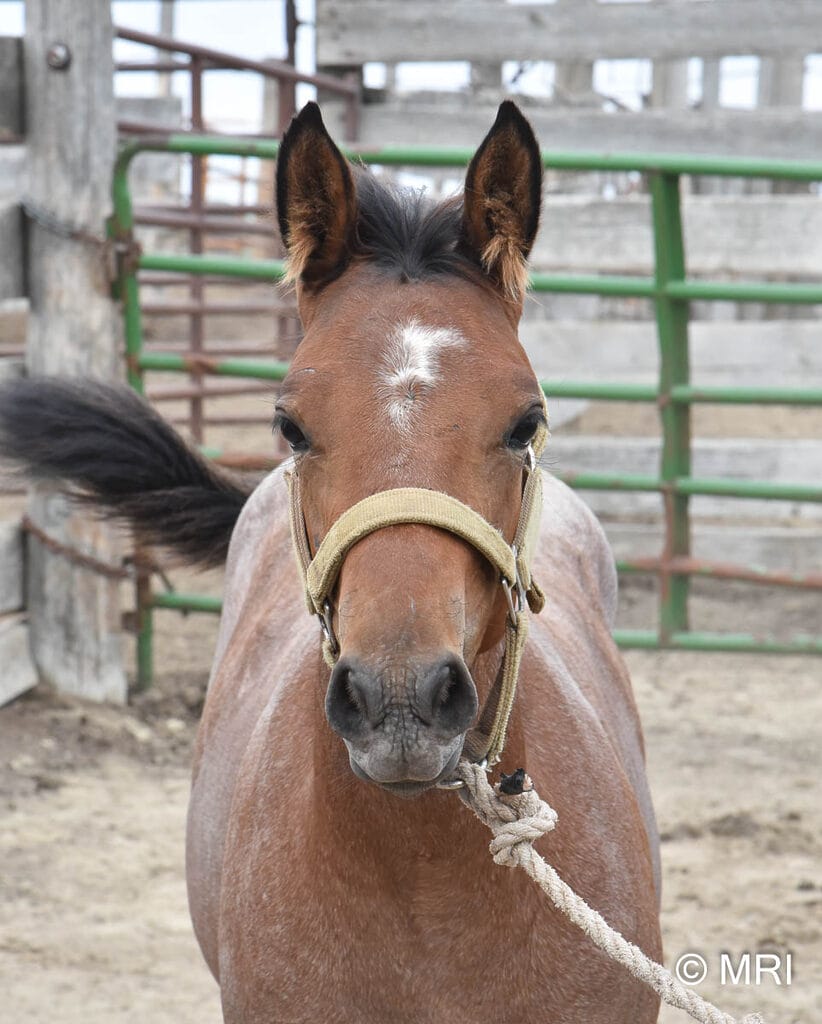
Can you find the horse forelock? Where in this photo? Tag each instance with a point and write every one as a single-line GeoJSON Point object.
{"type": "Point", "coordinates": [404, 230]}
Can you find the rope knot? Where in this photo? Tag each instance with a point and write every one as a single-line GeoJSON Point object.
{"type": "Point", "coordinates": [509, 836]}
{"type": "Point", "coordinates": [515, 819]}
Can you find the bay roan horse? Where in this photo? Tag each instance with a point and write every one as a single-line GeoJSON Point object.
{"type": "Point", "coordinates": [318, 894]}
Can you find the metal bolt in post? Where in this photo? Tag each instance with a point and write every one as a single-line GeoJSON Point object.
{"type": "Point", "coordinates": [58, 57]}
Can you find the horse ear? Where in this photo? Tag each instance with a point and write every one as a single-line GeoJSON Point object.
{"type": "Point", "coordinates": [316, 200]}
{"type": "Point", "coordinates": [503, 192]}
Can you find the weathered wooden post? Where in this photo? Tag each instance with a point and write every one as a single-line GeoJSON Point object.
{"type": "Point", "coordinates": [74, 612]}
{"type": "Point", "coordinates": [574, 79]}
{"type": "Point", "coordinates": [166, 28]}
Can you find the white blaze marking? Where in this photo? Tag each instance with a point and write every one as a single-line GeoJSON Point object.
{"type": "Point", "coordinates": [410, 366]}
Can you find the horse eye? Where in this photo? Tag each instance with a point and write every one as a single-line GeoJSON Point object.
{"type": "Point", "coordinates": [524, 432]}
{"type": "Point", "coordinates": [294, 437]}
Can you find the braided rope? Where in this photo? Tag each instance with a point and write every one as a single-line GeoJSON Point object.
{"type": "Point", "coordinates": [516, 821]}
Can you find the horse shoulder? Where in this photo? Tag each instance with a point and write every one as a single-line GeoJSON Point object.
{"type": "Point", "coordinates": [262, 522]}
{"type": "Point", "coordinates": [571, 534]}
{"type": "Point", "coordinates": [263, 619]}
{"type": "Point", "coordinates": [574, 644]}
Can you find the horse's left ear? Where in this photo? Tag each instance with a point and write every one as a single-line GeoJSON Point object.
{"type": "Point", "coordinates": [316, 200]}
{"type": "Point", "coordinates": [503, 192]}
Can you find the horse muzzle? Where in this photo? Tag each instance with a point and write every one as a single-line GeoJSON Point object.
{"type": "Point", "coordinates": [403, 727]}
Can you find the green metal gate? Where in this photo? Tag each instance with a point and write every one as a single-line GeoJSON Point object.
{"type": "Point", "coordinates": [670, 290]}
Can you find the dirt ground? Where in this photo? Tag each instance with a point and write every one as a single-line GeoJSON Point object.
{"type": "Point", "coordinates": [93, 920]}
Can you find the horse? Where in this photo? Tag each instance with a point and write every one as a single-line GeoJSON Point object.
{"type": "Point", "coordinates": [332, 874]}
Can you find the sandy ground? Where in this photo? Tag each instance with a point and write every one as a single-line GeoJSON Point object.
{"type": "Point", "coordinates": [93, 920]}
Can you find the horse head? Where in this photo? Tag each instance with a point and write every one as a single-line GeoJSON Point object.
{"type": "Point", "coordinates": [409, 374]}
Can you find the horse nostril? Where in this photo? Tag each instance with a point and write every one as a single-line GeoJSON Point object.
{"type": "Point", "coordinates": [444, 698]}
{"type": "Point", "coordinates": [448, 697]}
{"type": "Point", "coordinates": [345, 704]}
{"type": "Point", "coordinates": [445, 683]}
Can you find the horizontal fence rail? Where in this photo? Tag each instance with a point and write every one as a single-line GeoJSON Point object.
{"type": "Point", "coordinates": [358, 31]}
{"type": "Point", "coordinates": [669, 289]}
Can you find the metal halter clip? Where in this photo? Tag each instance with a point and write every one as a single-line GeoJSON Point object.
{"type": "Point", "coordinates": [450, 784]}
{"type": "Point", "coordinates": [327, 628]}
{"type": "Point", "coordinates": [515, 593]}
{"type": "Point", "coordinates": [453, 784]}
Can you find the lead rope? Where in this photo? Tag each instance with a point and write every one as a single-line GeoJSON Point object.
{"type": "Point", "coordinates": [517, 819]}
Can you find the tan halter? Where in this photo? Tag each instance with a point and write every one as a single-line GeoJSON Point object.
{"type": "Point", "coordinates": [434, 508]}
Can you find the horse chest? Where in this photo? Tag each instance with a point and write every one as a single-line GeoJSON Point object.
{"type": "Point", "coordinates": [341, 920]}
{"type": "Point", "coordinates": [424, 947]}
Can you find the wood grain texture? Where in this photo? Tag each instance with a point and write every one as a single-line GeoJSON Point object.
{"type": "Point", "coordinates": [774, 461]}
{"type": "Point", "coordinates": [11, 92]}
{"type": "Point", "coordinates": [734, 236]}
{"type": "Point", "coordinates": [454, 119]}
{"type": "Point", "coordinates": [18, 674]}
{"type": "Point", "coordinates": [14, 315]}
{"type": "Point", "coordinates": [11, 251]}
{"type": "Point", "coordinates": [796, 549]}
{"type": "Point", "coordinates": [776, 353]}
{"type": "Point", "coordinates": [357, 31]}
{"type": "Point", "coordinates": [11, 567]}
{"type": "Point", "coordinates": [12, 171]}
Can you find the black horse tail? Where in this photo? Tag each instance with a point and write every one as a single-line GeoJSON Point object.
{"type": "Point", "coordinates": [116, 454]}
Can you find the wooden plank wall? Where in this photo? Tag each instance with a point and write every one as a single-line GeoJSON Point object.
{"type": "Point", "coordinates": [441, 119]}
{"type": "Point", "coordinates": [356, 31]}
{"type": "Point", "coordinates": [753, 236]}
{"type": "Point", "coordinates": [573, 35]}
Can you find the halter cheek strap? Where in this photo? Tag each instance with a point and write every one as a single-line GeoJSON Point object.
{"type": "Point", "coordinates": [434, 508]}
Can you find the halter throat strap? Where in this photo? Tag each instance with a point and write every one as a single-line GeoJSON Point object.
{"type": "Point", "coordinates": [433, 508]}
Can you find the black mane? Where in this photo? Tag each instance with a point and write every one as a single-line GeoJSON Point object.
{"type": "Point", "coordinates": [402, 230]}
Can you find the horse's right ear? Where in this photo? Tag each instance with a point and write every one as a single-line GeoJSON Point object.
{"type": "Point", "coordinates": [316, 200]}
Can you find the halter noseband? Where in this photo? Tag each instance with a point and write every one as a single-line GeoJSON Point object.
{"type": "Point", "coordinates": [435, 508]}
